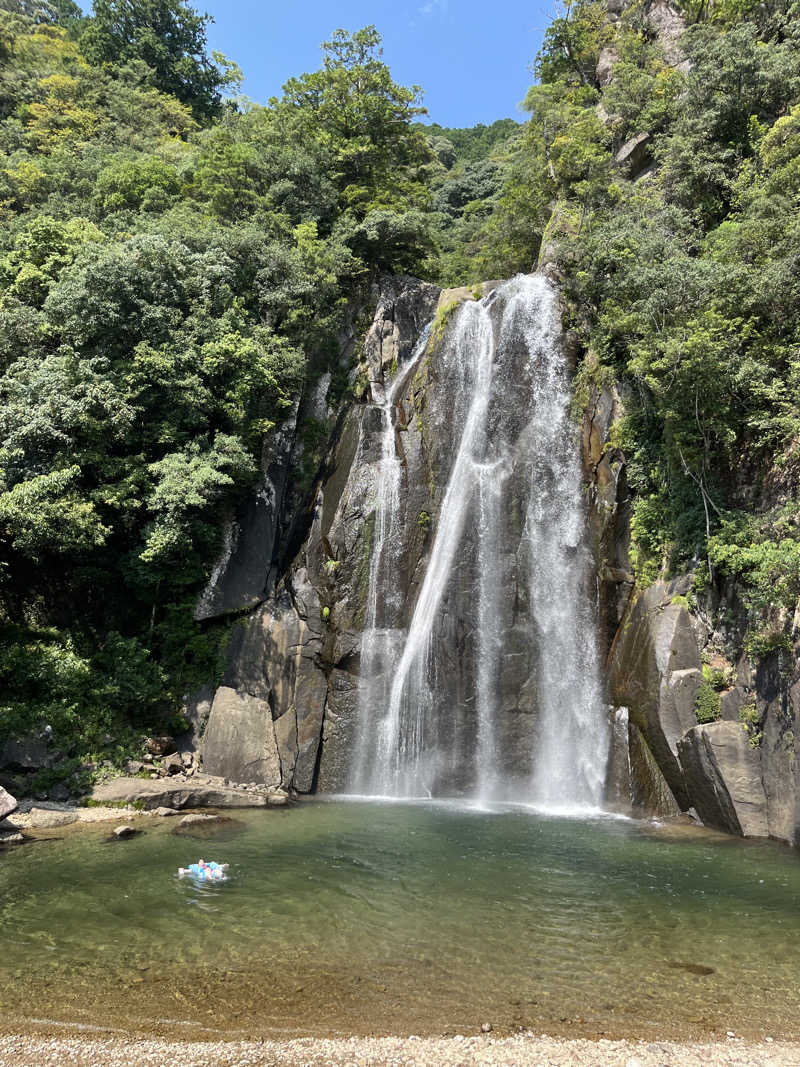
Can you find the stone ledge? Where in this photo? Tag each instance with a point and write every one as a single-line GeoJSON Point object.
{"type": "Point", "coordinates": [149, 794]}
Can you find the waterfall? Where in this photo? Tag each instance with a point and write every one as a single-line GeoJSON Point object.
{"type": "Point", "coordinates": [508, 568]}
{"type": "Point", "coordinates": [383, 595]}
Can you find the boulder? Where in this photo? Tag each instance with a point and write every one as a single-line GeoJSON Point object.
{"type": "Point", "coordinates": [173, 764]}
{"type": "Point", "coordinates": [160, 746]}
{"type": "Point", "coordinates": [239, 741]}
{"type": "Point", "coordinates": [8, 804]}
{"type": "Point", "coordinates": [48, 819]}
{"type": "Point", "coordinates": [10, 836]}
{"type": "Point", "coordinates": [604, 71]}
{"type": "Point", "coordinates": [635, 154]}
{"type": "Point", "coordinates": [165, 813]}
{"type": "Point", "coordinates": [174, 793]}
{"type": "Point", "coordinates": [723, 776]}
{"type": "Point", "coordinates": [654, 671]}
{"type": "Point", "coordinates": [194, 818]}
{"type": "Point", "coordinates": [122, 832]}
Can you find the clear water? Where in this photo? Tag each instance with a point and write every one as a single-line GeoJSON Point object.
{"type": "Point", "coordinates": [346, 917]}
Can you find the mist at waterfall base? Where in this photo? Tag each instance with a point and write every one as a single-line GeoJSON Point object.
{"type": "Point", "coordinates": [407, 918]}
{"type": "Point", "coordinates": [509, 547]}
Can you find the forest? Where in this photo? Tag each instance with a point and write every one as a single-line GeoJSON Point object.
{"type": "Point", "coordinates": [177, 264]}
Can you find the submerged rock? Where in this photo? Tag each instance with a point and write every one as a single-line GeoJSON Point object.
{"type": "Point", "coordinates": [195, 818]}
{"type": "Point", "coordinates": [122, 832]}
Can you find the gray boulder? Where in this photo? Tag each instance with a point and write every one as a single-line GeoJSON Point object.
{"type": "Point", "coordinates": [239, 741]}
{"type": "Point", "coordinates": [655, 673]}
{"type": "Point", "coordinates": [160, 746]}
{"type": "Point", "coordinates": [174, 793]}
{"type": "Point", "coordinates": [173, 764]}
{"type": "Point", "coordinates": [195, 818]}
{"type": "Point", "coordinates": [635, 154]}
{"type": "Point", "coordinates": [48, 819]}
{"type": "Point", "coordinates": [723, 777]}
{"type": "Point", "coordinates": [8, 804]}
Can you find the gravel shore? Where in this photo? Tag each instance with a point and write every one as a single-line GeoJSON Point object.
{"type": "Point", "coordinates": [36, 1051]}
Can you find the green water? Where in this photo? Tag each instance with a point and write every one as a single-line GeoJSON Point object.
{"type": "Point", "coordinates": [361, 917]}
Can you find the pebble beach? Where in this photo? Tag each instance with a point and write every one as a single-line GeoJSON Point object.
{"type": "Point", "coordinates": [459, 1051]}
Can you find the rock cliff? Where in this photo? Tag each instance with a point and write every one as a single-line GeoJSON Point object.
{"type": "Point", "coordinates": [285, 713]}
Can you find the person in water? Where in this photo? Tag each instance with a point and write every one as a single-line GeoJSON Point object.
{"type": "Point", "coordinates": [204, 872]}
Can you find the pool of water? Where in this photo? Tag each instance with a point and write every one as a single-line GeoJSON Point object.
{"type": "Point", "coordinates": [346, 917]}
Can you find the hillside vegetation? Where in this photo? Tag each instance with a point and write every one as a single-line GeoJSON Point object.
{"type": "Point", "coordinates": [174, 268]}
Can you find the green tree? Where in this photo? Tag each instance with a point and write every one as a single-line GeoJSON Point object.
{"type": "Point", "coordinates": [169, 36]}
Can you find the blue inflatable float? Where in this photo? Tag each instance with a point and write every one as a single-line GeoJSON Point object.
{"type": "Point", "coordinates": [205, 872]}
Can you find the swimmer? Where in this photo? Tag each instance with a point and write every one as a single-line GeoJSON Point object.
{"type": "Point", "coordinates": [205, 872]}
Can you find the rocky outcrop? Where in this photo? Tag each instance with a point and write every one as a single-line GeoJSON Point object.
{"type": "Point", "coordinates": [8, 804]}
{"type": "Point", "coordinates": [241, 574]}
{"type": "Point", "coordinates": [655, 672]}
{"type": "Point", "coordinates": [740, 773]}
{"type": "Point", "coordinates": [668, 24]}
{"type": "Point", "coordinates": [609, 506]}
{"type": "Point", "coordinates": [172, 793]}
{"type": "Point", "coordinates": [723, 778]}
{"type": "Point", "coordinates": [635, 155]}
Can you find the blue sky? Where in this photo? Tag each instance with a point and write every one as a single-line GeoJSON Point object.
{"type": "Point", "coordinates": [471, 57]}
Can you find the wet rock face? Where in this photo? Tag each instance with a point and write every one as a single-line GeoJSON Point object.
{"type": "Point", "coordinates": [292, 670]}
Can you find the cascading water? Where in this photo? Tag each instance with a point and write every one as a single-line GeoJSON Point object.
{"type": "Point", "coordinates": [505, 589]}
{"type": "Point", "coordinates": [383, 598]}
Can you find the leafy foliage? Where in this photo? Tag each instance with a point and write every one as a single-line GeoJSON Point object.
{"type": "Point", "coordinates": [174, 272]}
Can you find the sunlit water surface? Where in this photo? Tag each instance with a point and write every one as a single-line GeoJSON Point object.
{"type": "Point", "coordinates": [346, 917]}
